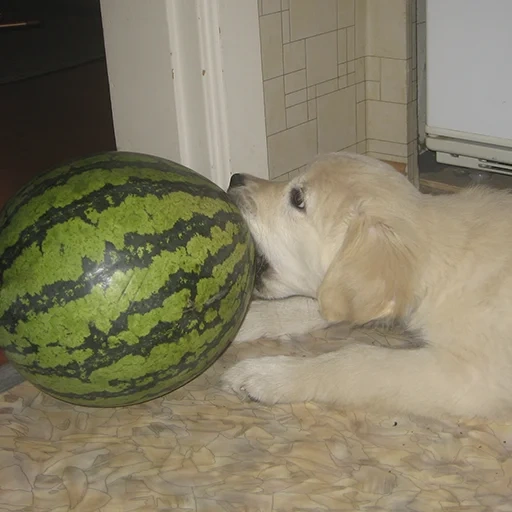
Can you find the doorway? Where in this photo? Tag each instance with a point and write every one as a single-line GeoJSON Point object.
{"type": "Point", "coordinates": [53, 87]}
{"type": "Point", "coordinates": [54, 91]}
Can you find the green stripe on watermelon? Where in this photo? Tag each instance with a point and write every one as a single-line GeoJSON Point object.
{"type": "Point", "coordinates": [124, 293]}
{"type": "Point", "coordinates": [80, 195]}
{"type": "Point", "coordinates": [85, 237]}
{"type": "Point", "coordinates": [139, 253]}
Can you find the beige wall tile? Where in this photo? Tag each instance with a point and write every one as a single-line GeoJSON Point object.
{"type": "Point", "coordinates": [271, 45]}
{"type": "Point", "coordinates": [412, 169]}
{"type": "Point", "coordinates": [295, 81]}
{"type": "Point", "coordinates": [311, 92]}
{"type": "Point", "coordinates": [412, 44]}
{"type": "Point", "coordinates": [342, 82]}
{"type": "Point", "coordinates": [386, 121]}
{"type": "Point", "coordinates": [361, 121]}
{"type": "Point", "coordinates": [295, 97]}
{"type": "Point", "coordinates": [387, 28]}
{"type": "Point", "coordinates": [372, 90]}
{"type": "Point", "coordinates": [285, 4]}
{"type": "Point", "coordinates": [294, 56]}
{"type": "Point", "coordinates": [360, 28]}
{"type": "Point", "coordinates": [351, 66]}
{"type": "Point", "coordinates": [360, 92]}
{"type": "Point", "coordinates": [412, 121]}
{"type": "Point", "coordinates": [297, 114]}
{"type": "Point", "coordinates": [393, 85]}
{"type": "Point", "coordinates": [389, 148]}
{"type": "Point", "coordinates": [342, 69]}
{"type": "Point", "coordinates": [408, 30]}
{"type": "Point", "coordinates": [336, 117]}
{"type": "Point", "coordinates": [312, 17]}
{"type": "Point", "coordinates": [292, 148]}
{"type": "Point", "coordinates": [327, 87]}
{"type": "Point", "coordinates": [372, 68]}
{"type": "Point", "coordinates": [359, 69]}
{"type": "Point", "coordinates": [412, 90]}
{"type": "Point", "coordinates": [342, 45]}
{"type": "Point", "coordinates": [270, 6]}
{"type": "Point", "coordinates": [286, 26]}
{"type": "Point", "coordinates": [386, 156]}
{"type": "Point", "coordinates": [360, 148]}
{"type": "Point", "coordinates": [351, 41]}
{"type": "Point", "coordinates": [322, 58]}
{"type": "Point", "coordinates": [351, 78]}
{"type": "Point", "coordinates": [299, 171]}
{"type": "Point", "coordinates": [260, 9]}
{"type": "Point", "coordinates": [275, 118]}
{"type": "Point", "coordinates": [311, 109]}
{"type": "Point", "coordinates": [346, 13]}
{"type": "Point", "coordinates": [283, 177]}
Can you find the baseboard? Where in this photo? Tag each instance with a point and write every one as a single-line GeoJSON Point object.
{"type": "Point", "coordinates": [399, 166]}
{"type": "Point", "coordinates": [437, 187]}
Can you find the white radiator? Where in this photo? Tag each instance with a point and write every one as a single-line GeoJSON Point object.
{"type": "Point", "coordinates": [469, 83]}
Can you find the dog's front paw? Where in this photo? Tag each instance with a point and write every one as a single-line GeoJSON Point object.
{"type": "Point", "coordinates": [266, 379]}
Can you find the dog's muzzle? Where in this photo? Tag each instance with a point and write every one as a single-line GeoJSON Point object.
{"type": "Point", "coordinates": [244, 202]}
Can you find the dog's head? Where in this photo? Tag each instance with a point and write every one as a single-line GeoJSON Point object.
{"type": "Point", "coordinates": [343, 232]}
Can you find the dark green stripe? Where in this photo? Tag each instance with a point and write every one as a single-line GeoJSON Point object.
{"type": "Point", "coordinates": [62, 292]}
{"type": "Point", "coordinates": [34, 227]}
{"type": "Point", "coordinates": [109, 196]}
{"type": "Point", "coordinates": [163, 333]}
{"type": "Point", "coordinates": [180, 281]}
{"type": "Point", "coordinates": [67, 245]}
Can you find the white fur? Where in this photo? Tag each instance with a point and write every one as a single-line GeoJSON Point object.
{"type": "Point", "coordinates": [276, 318]}
{"type": "Point", "coordinates": [370, 247]}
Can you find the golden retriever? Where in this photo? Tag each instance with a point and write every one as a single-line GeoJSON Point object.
{"type": "Point", "coordinates": [351, 240]}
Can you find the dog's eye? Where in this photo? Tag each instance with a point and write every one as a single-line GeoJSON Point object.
{"type": "Point", "coordinates": [297, 198]}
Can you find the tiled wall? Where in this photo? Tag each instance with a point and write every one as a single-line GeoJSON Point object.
{"type": "Point", "coordinates": [390, 56]}
{"type": "Point", "coordinates": [313, 84]}
{"type": "Point", "coordinates": [338, 74]}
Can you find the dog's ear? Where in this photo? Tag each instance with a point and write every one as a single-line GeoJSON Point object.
{"type": "Point", "coordinates": [372, 275]}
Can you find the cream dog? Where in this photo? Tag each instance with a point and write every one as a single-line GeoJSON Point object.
{"type": "Point", "coordinates": [351, 240]}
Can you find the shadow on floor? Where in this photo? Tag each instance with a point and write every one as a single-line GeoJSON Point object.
{"type": "Point", "coordinates": [439, 178]}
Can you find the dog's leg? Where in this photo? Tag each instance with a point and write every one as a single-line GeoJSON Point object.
{"type": "Point", "coordinates": [418, 381]}
{"type": "Point", "coordinates": [275, 318]}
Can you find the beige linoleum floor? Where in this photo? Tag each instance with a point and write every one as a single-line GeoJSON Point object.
{"type": "Point", "coordinates": [201, 449]}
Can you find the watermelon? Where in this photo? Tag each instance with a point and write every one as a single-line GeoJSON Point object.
{"type": "Point", "coordinates": [123, 276]}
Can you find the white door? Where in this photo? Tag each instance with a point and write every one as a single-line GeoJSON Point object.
{"type": "Point", "coordinates": [186, 82]}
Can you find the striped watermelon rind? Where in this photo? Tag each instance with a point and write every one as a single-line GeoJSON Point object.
{"type": "Point", "coordinates": [123, 276]}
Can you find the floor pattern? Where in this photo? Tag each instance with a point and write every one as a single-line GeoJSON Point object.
{"type": "Point", "coordinates": [202, 449]}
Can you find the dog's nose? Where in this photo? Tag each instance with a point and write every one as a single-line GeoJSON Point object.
{"type": "Point", "coordinates": [237, 180]}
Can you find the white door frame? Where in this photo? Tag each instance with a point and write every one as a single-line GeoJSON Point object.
{"type": "Point", "coordinates": [186, 82]}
